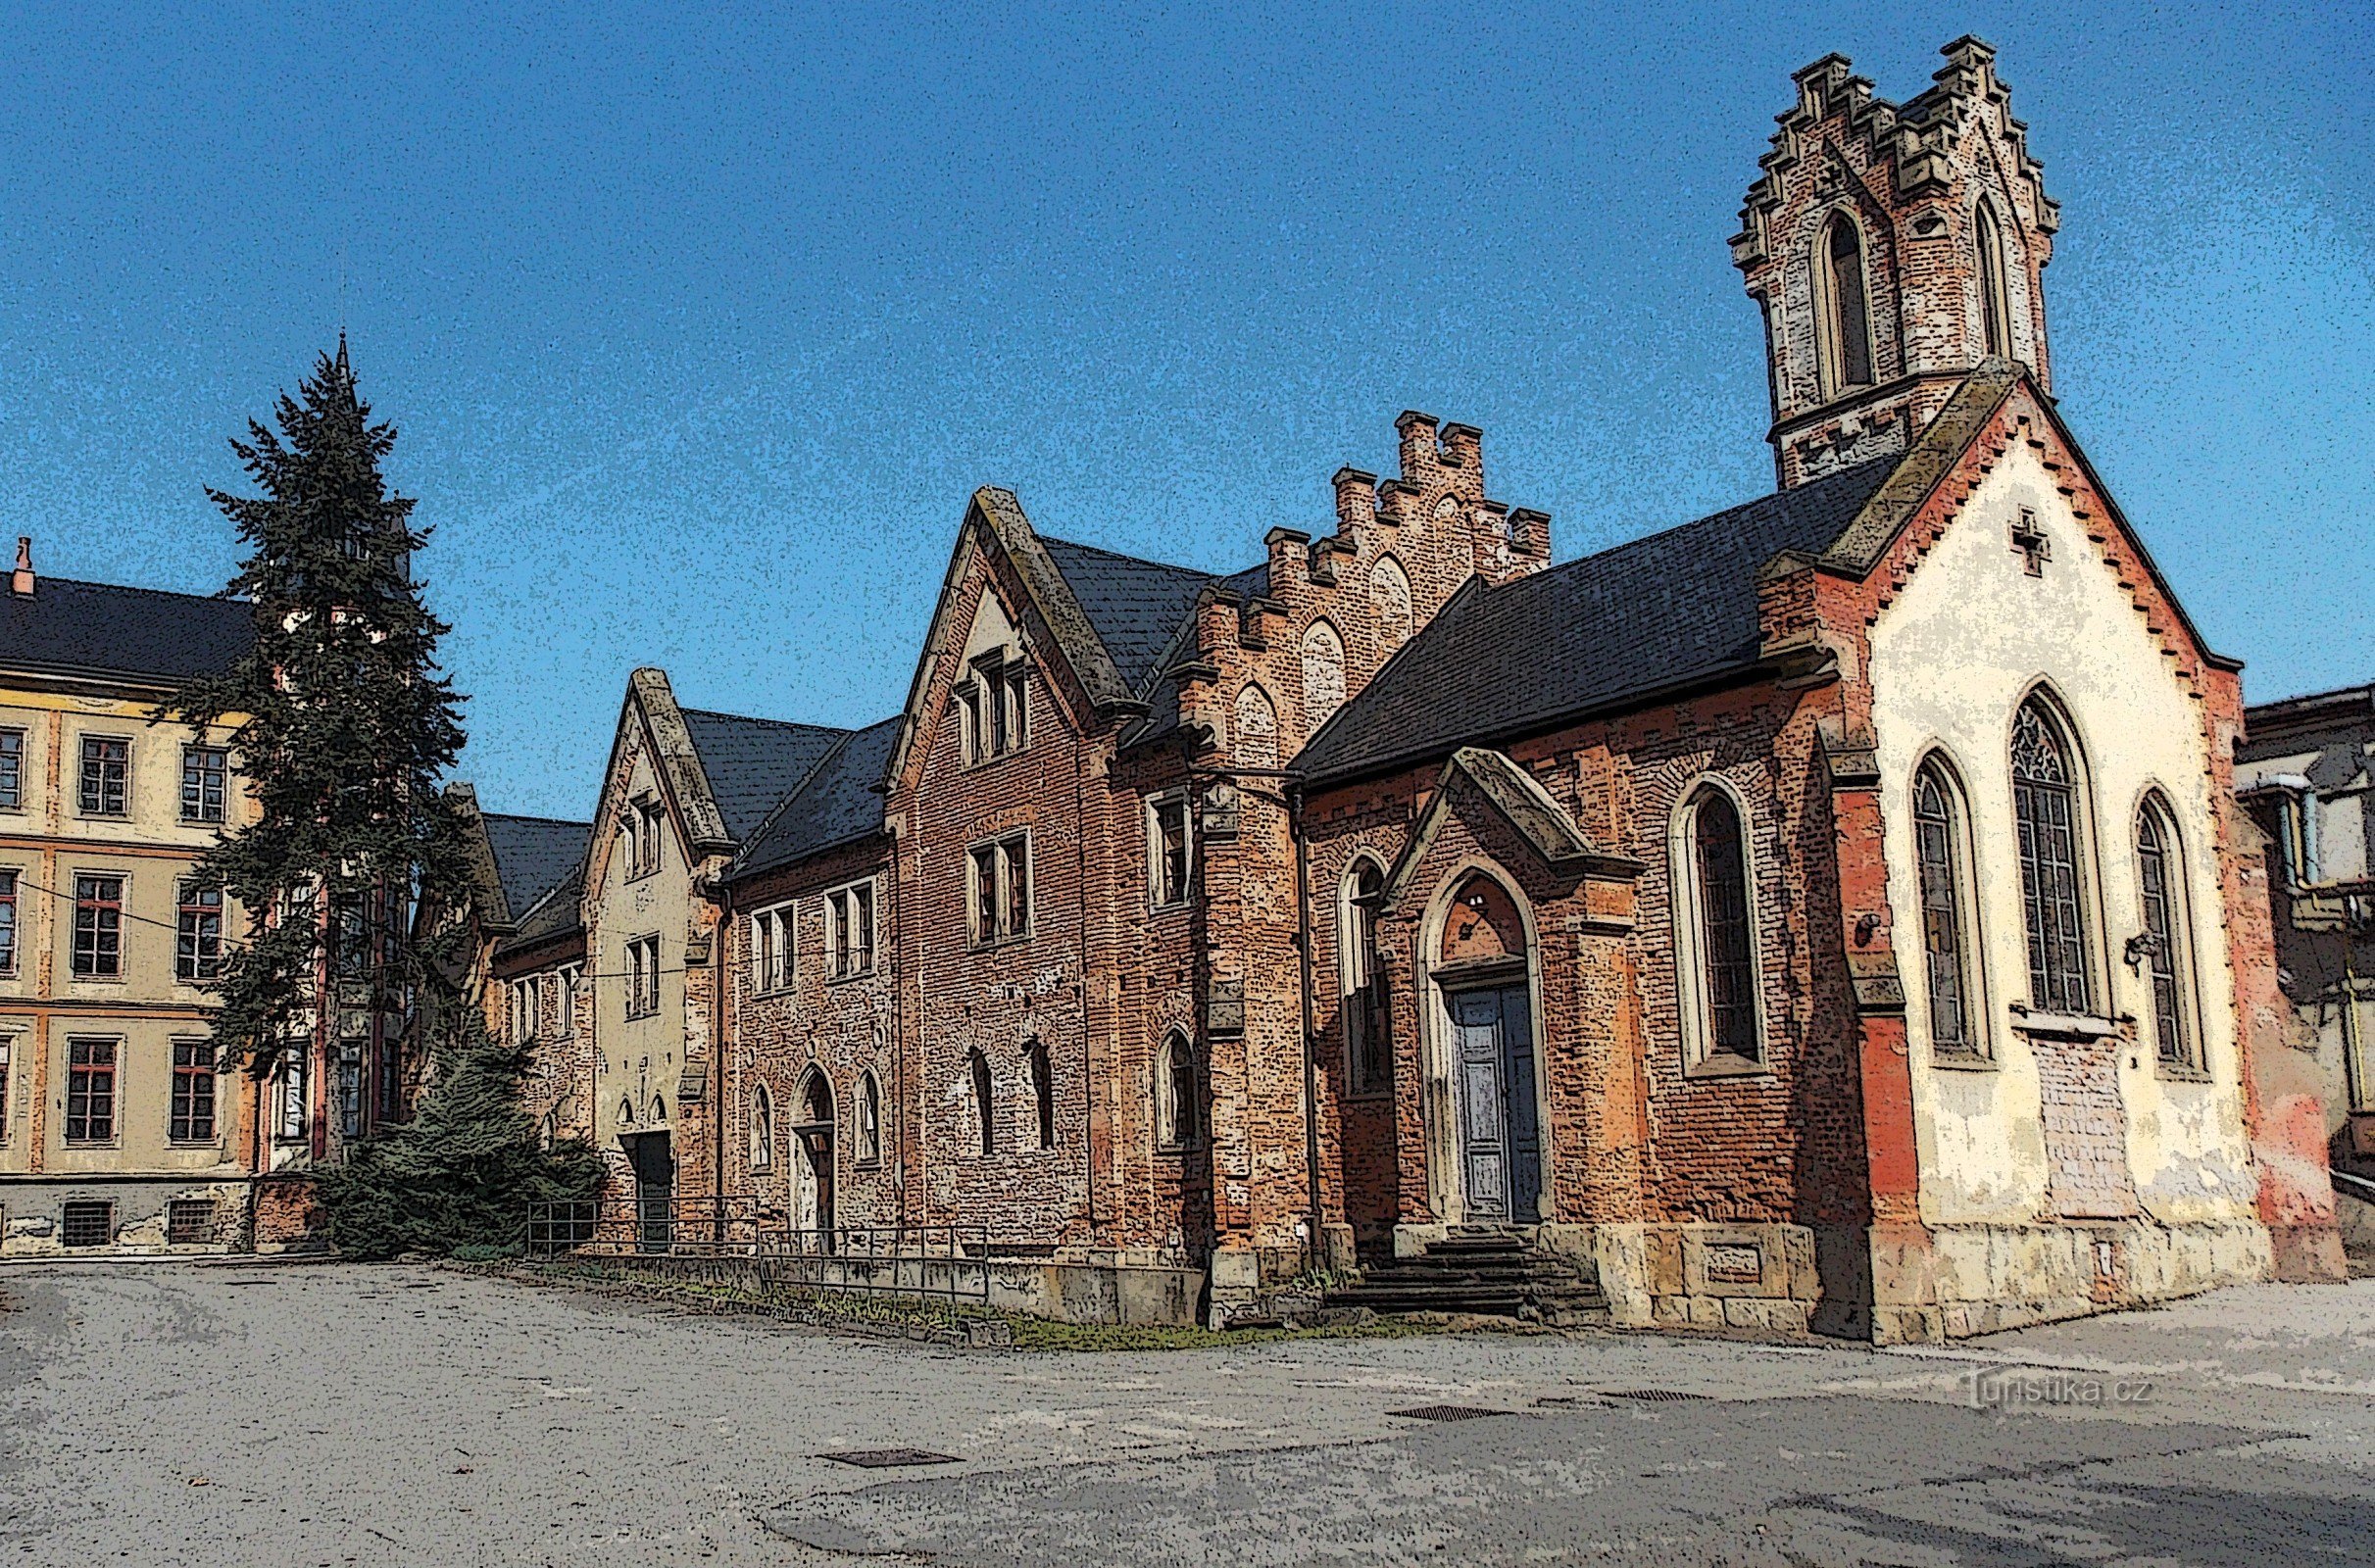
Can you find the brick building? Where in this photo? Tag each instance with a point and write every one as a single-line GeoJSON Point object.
{"type": "Point", "coordinates": [1832, 910]}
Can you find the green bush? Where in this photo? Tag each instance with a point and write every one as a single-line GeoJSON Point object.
{"type": "Point", "coordinates": [457, 1180]}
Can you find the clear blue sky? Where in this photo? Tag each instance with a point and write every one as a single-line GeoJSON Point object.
{"type": "Point", "coordinates": [702, 323]}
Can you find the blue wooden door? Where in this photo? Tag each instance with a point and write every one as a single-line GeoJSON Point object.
{"type": "Point", "coordinates": [1500, 1122]}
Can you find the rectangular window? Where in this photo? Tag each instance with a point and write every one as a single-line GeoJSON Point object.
{"type": "Point", "coordinates": [189, 1223]}
{"type": "Point", "coordinates": [98, 927]}
{"type": "Point", "coordinates": [198, 934]}
{"type": "Point", "coordinates": [193, 1106]}
{"type": "Point", "coordinates": [296, 1098]}
{"type": "Point", "coordinates": [1000, 874]}
{"type": "Point", "coordinates": [771, 949]}
{"type": "Point", "coordinates": [643, 838]}
{"type": "Point", "coordinates": [390, 1090]}
{"type": "Point", "coordinates": [5, 1044]}
{"type": "Point", "coordinates": [90, 1091]}
{"type": "Point", "coordinates": [643, 977]}
{"type": "Point", "coordinates": [12, 770]}
{"type": "Point", "coordinates": [995, 704]}
{"type": "Point", "coordinates": [852, 913]}
{"type": "Point", "coordinates": [86, 1222]}
{"type": "Point", "coordinates": [1168, 842]}
{"type": "Point", "coordinates": [8, 923]}
{"type": "Point", "coordinates": [205, 780]}
{"type": "Point", "coordinates": [350, 1087]}
{"type": "Point", "coordinates": [572, 977]}
{"type": "Point", "coordinates": [107, 762]}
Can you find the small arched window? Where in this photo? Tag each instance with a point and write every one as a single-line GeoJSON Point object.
{"type": "Point", "coordinates": [1323, 674]}
{"type": "Point", "coordinates": [1043, 1094]}
{"type": "Point", "coordinates": [763, 1129]}
{"type": "Point", "coordinates": [1715, 953]}
{"type": "Point", "coordinates": [870, 1120]}
{"type": "Point", "coordinates": [2044, 813]}
{"type": "Point", "coordinates": [627, 1114]}
{"type": "Point", "coordinates": [985, 1118]}
{"type": "Point", "coordinates": [1847, 338]}
{"type": "Point", "coordinates": [2166, 949]}
{"type": "Point", "coordinates": [1367, 1032]}
{"type": "Point", "coordinates": [551, 1127]}
{"type": "Point", "coordinates": [1995, 306]}
{"type": "Point", "coordinates": [1176, 1102]}
{"type": "Point", "coordinates": [660, 1110]}
{"type": "Point", "coordinates": [1256, 728]}
{"type": "Point", "coordinates": [1942, 857]}
{"type": "Point", "coordinates": [1390, 597]}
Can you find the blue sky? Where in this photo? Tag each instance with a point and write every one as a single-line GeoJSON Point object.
{"type": "Point", "coordinates": [701, 324]}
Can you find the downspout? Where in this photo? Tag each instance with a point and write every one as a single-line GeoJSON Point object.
{"type": "Point", "coordinates": [1088, 1028]}
{"type": "Point", "coordinates": [1310, 1053]}
{"type": "Point", "coordinates": [721, 945]}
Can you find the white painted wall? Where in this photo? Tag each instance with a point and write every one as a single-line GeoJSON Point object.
{"type": "Point", "coordinates": [1952, 658]}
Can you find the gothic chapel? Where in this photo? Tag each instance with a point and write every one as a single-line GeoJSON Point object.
{"type": "Point", "coordinates": [1829, 914]}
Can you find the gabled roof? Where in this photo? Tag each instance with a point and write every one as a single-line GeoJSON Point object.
{"type": "Point", "coordinates": [1136, 607]}
{"type": "Point", "coordinates": [533, 854]}
{"type": "Point", "coordinates": [840, 803]}
{"type": "Point", "coordinates": [1539, 820]}
{"type": "Point", "coordinates": [558, 913]}
{"type": "Point", "coordinates": [753, 763]}
{"type": "Point", "coordinates": [1660, 612]}
{"type": "Point", "coordinates": [102, 631]}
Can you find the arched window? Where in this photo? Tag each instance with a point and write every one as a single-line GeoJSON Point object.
{"type": "Point", "coordinates": [1176, 1102]}
{"type": "Point", "coordinates": [2044, 813]}
{"type": "Point", "coordinates": [763, 1129]}
{"type": "Point", "coordinates": [2166, 948]}
{"type": "Point", "coordinates": [660, 1110]}
{"type": "Point", "coordinates": [1043, 1094]}
{"type": "Point", "coordinates": [1367, 1033]}
{"type": "Point", "coordinates": [1715, 930]}
{"type": "Point", "coordinates": [984, 1110]}
{"type": "Point", "coordinates": [627, 1114]}
{"type": "Point", "coordinates": [1256, 728]}
{"type": "Point", "coordinates": [1943, 857]}
{"type": "Point", "coordinates": [1995, 306]}
{"type": "Point", "coordinates": [870, 1120]}
{"type": "Point", "coordinates": [1390, 597]}
{"type": "Point", "coordinates": [1847, 320]}
{"type": "Point", "coordinates": [1323, 674]}
{"type": "Point", "coordinates": [551, 1127]}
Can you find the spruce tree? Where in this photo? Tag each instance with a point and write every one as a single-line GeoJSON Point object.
{"type": "Point", "coordinates": [345, 725]}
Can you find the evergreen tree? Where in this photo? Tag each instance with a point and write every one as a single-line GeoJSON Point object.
{"type": "Point", "coordinates": [458, 1177]}
{"type": "Point", "coordinates": [345, 726]}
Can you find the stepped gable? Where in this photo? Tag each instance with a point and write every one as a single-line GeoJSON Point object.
{"type": "Point", "coordinates": [1660, 612]}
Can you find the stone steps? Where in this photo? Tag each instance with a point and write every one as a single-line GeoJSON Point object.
{"type": "Point", "coordinates": [1488, 1273]}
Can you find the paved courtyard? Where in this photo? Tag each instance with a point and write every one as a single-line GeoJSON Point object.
{"type": "Point", "coordinates": [178, 1414]}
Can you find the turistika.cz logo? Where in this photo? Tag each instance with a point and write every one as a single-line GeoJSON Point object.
{"type": "Point", "coordinates": [2018, 1389]}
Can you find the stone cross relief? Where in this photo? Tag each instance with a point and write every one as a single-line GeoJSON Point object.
{"type": "Point", "coordinates": [2031, 542]}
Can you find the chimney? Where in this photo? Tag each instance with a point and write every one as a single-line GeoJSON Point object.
{"type": "Point", "coordinates": [20, 581]}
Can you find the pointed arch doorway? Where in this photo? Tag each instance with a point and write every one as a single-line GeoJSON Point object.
{"type": "Point", "coordinates": [1482, 970]}
{"type": "Point", "coordinates": [812, 1161]}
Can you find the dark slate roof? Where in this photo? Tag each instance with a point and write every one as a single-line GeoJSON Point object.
{"type": "Point", "coordinates": [533, 854]}
{"type": "Point", "coordinates": [556, 915]}
{"type": "Point", "coordinates": [753, 763]}
{"type": "Point", "coordinates": [1654, 613]}
{"type": "Point", "coordinates": [101, 630]}
{"type": "Point", "coordinates": [840, 803]}
{"type": "Point", "coordinates": [1138, 606]}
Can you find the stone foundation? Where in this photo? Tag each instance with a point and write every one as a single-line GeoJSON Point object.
{"type": "Point", "coordinates": [1097, 1294]}
{"type": "Point", "coordinates": [139, 1217]}
{"type": "Point", "coordinates": [1980, 1279]}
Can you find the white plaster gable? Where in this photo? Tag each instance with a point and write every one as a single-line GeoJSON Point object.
{"type": "Point", "coordinates": [993, 630]}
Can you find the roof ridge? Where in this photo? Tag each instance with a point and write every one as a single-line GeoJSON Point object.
{"type": "Point", "coordinates": [1141, 560]}
{"type": "Point", "coordinates": [523, 816]}
{"type": "Point", "coordinates": [776, 811]}
{"type": "Point", "coordinates": [752, 718]}
{"type": "Point", "coordinates": [224, 597]}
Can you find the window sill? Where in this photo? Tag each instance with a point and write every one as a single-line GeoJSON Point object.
{"type": "Point", "coordinates": [1367, 1097]}
{"type": "Point", "coordinates": [90, 1145]}
{"type": "Point", "coordinates": [2062, 1025]}
{"type": "Point", "coordinates": [1020, 939]}
{"type": "Point", "coordinates": [1724, 1065]}
{"type": "Point", "coordinates": [1962, 1061]}
{"type": "Point", "coordinates": [866, 973]}
{"type": "Point", "coordinates": [195, 1145]}
{"type": "Point", "coordinates": [94, 979]}
{"type": "Point", "coordinates": [2175, 1072]}
{"type": "Point", "coordinates": [867, 1165]}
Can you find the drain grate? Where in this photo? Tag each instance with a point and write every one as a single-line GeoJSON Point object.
{"type": "Point", "coordinates": [889, 1458]}
{"type": "Point", "coordinates": [1653, 1396]}
{"type": "Point", "coordinates": [1445, 1412]}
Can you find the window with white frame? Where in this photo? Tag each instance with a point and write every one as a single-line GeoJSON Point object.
{"type": "Point", "coordinates": [763, 1129]}
{"type": "Point", "coordinates": [995, 702]}
{"type": "Point", "coordinates": [1714, 931]}
{"type": "Point", "coordinates": [296, 1096]}
{"type": "Point", "coordinates": [850, 912]}
{"type": "Point", "coordinates": [639, 827]}
{"type": "Point", "coordinates": [869, 1119]}
{"type": "Point", "coordinates": [1369, 1048]}
{"type": "Point", "coordinates": [2165, 953]}
{"type": "Point", "coordinates": [998, 878]}
{"type": "Point", "coordinates": [642, 976]}
{"type": "Point", "coordinates": [1949, 947]}
{"type": "Point", "coordinates": [772, 950]}
{"type": "Point", "coordinates": [1169, 850]}
{"type": "Point", "coordinates": [571, 979]}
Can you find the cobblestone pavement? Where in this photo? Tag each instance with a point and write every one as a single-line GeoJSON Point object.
{"type": "Point", "coordinates": [175, 1414]}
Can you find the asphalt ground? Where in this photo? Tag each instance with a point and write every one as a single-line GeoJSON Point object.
{"type": "Point", "coordinates": [175, 1414]}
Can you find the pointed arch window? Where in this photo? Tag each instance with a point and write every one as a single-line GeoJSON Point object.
{"type": "Point", "coordinates": [1043, 1094]}
{"type": "Point", "coordinates": [1942, 855]}
{"type": "Point", "coordinates": [763, 1129]}
{"type": "Point", "coordinates": [1368, 1028]}
{"type": "Point", "coordinates": [1847, 338]}
{"type": "Point", "coordinates": [2166, 950]}
{"type": "Point", "coordinates": [2045, 810]}
{"type": "Point", "coordinates": [1715, 926]}
{"type": "Point", "coordinates": [985, 1118]}
{"type": "Point", "coordinates": [1390, 597]}
{"type": "Point", "coordinates": [1256, 728]}
{"type": "Point", "coordinates": [870, 1120]}
{"type": "Point", "coordinates": [1323, 674]}
{"type": "Point", "coordinates": [1995, 305]}
{"type": "Point", "coordinates": [1176, 1103]}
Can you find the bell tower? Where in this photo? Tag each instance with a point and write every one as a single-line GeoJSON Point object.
{"type": "Point", "coordinates": [1892, 249]}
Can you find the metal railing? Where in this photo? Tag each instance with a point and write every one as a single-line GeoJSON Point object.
{"type": "Point", "coordinates": [555, 1228]}
{"type": "Point", "coordinates": [651, 1226]}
